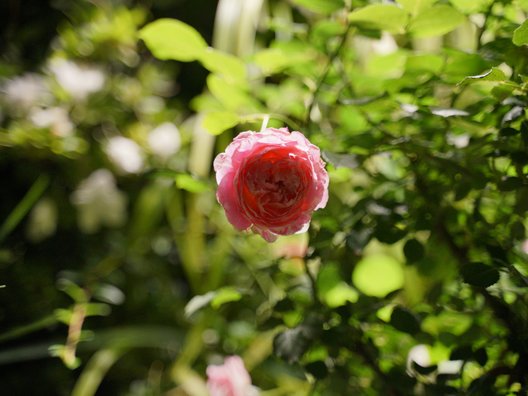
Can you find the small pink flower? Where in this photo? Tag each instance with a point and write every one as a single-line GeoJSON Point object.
{"type": "Point", "coordinates": [271, 182]}
{"type": "Point", "coordinates": [230, 379]}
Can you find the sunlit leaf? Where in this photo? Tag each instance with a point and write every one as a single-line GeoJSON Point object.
{"type": "Point", "coordinates": [494, 74]}
{"type": "Point", "coordinates": [224, 64]}
{"type": "Point", "coordinates": [225, 295]}
{"type": "Point", "coordinates": [435, 21]}
{"type": "Point", "coordinates": [333, 290]}
{"type": "Point", "coordinates": [172, 39]}
{"type": "Point", "coordinates": [320, 6]}
{"type": "Point", "coordinates": [378, 275]}
{"type": "Point", "coordinates": [446, 113]}
{"type": "Point", "coordinates": [520, 35]}
{"type": "Point", "coordinates": [198, 302]}
{"type": "Point", "coordinates": [381, 16]}
{"type": "Point", "coordinates": [188, 183]}
{"type": "Point", "coordinates": [217, 122]}
{"type": "Point", "coordinates": [415, 6]}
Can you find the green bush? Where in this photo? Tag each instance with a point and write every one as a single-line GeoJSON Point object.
{"type": "Point", "coordinates": [117, 258]}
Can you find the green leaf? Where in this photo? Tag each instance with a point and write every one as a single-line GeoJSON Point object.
{"type": "Point", "coordinates": [276, 59]}
{"type": "Point", "coordinates": [510, 183]}
{"type": "Point", "coordinates": [413, 250]}
{"type": "Point", "coordinates": [217, 122]}
{"type": "Point", "coordinates": [318, 369]}
{"type": "Point", "coordinates": [23, 207]}
{"type": "Point", "coordinates": [224, 64]}
{"type": "Point", "coordinates": [494, 74]}
{"type": "Point", "coordinates": [320, 6]}
{"type": "Point", "coordinates": [471, 6]}
{"type": "Point", "coordinates": [292, 343]}
{"type": "Point", "coordinates": [188, 183]}
{"type": "Point", "coordinates": [478, 274]}
{"type": "Point", "coordinates": [436, 21]}
{"type": "Point", "coordinates": [341, 160]}
{"type": "Point", "coordinates": [77, 293]}
{"type": "Point", "coordinates": [97, 309]}
{"type": "Point", "coordinates": [520, 35]}
{"type": "Point", "coordinates": [424, 63]}
{"type": "Point", "coordinates": [172, 39]}
{"type": "Point", "coordinates": [215, 298]}
{"type": "Point", "coordinates": [198, 302]}
{"type": "Point", "coordinates": [446, 113]}
{"type": "Point", "coordinates": [225, 295]}
{"type": "Point", "coordinates": [381, 16]}
{"type": "Point", "coordinates": [231, 96]}
{"type": "Point", "coordinates": [332, 289]}
{"type": "Point", "coordinates": [378, 275]}
{"type": "Point", "coordinates": [415, 7]}
{"type": "Point", "coordinates": [424, 370]}
{"type": "Point", "coordinates": [404, 320]}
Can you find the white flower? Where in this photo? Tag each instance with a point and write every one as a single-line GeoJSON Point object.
{"type": "Point", "coordinates": [99, 202]}
{"type": "Point", "coordinates": [164, 140]}
{"type": "Point", "coordinates": [42, 220]}
{"type": "Point", "coordinates": [126, 154]}
{"type": "Point", "coordinates": [78, 81]}
{"type": "Point", "coordinates": [54, 118]}
{"type": "Point", "coordinates": [26, 91]}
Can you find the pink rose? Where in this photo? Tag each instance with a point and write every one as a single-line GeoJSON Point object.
{"type": "Point", "coordinates": [271, 182]}
{"type": "Point", "coordinates": [230, 379]}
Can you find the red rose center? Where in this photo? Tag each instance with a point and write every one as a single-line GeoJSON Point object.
{"type": "Point", "coordinates": [272, 185]}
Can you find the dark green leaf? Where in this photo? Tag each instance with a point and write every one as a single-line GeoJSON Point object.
{"type": "Point", "coordinates": [291, 344]}
{"type": "Point", "coordinates": [404, 320]}
{"type": "Point", "coordinates": [510, 183]}
{"type": "Point", "coordinates": [424, 370]}
{"type": "Point", "coordinates": [413, 250]}
{"type": "Point", "coordinates": [478, 274]}
{"type": "Point", "coordinates": [464, 352]}
{"type": "Point", "coordinates": [318, 369]}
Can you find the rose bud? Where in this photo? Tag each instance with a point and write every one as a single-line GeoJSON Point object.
{"type": "Point", "coordinates": [230, 379]}
{"type": "Point", "coordinates": [271, 182]}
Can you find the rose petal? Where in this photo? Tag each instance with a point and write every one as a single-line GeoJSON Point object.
{"type": "Point", "coordinates": [271, 181]}
{"type": "Point", "coordinates": [226, 195]}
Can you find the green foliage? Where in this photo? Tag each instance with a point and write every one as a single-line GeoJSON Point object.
{"type": "Point", "coordinates": [382, 16]}
{"type": "Point", "coordinates": [412, 280]}
{"type": "Point", "coordinates": [172, 39]}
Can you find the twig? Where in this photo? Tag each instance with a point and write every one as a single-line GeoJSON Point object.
{"type": "Point", "coordinates": [321, 80]}
{"type": "Point", "coordinates": [313, 282]}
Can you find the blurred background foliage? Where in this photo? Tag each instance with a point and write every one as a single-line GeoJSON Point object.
{"type": "Point", "coordinates": [121, 275]}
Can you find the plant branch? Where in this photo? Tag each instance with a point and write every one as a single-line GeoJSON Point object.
{"type": "Point", "coordinates": [327, 69]}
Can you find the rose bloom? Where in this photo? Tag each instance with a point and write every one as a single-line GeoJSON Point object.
{"type": "Point", "coordinates": [230, 379]}
{"type": "Point", "coordinates": [271, 182]}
